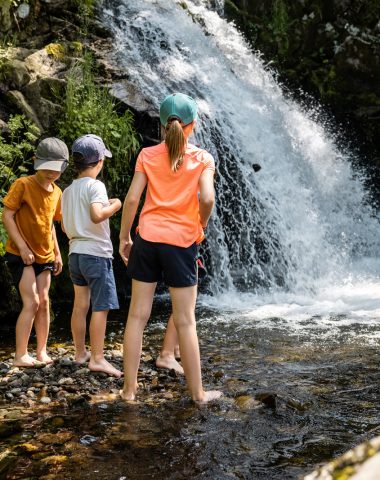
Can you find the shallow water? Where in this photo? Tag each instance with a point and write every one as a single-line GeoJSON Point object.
{"type": "Point", "coordinates": [294, 398]}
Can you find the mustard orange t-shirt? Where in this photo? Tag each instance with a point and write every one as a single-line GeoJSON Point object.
{"type": "Point", "coordinates": [171, 209]}
{"type": "Point", "coordinates": [36, 208]}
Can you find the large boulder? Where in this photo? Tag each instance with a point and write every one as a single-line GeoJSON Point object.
{"type": "Point", "coordinates": [360, 463]}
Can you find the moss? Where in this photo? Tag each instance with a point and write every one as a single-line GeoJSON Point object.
{"type": "Point", "coordinates": [56, 50]}
{"type": "Point", "coordinates": [344, 474]}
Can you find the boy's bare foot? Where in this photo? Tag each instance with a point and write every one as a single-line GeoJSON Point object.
{"type": "Point", "coordinates": [82, 358]}
{"type": "Point", "coordinates": [44, 358]}
{"type": "Point", "coordinates": [168, 361]}
{"type": "Point", "coordinates": [209, 396]}
{"type": "Point", "coordinates": [105, 367]}
{"type": "Point", "coordinates": [27, 361]}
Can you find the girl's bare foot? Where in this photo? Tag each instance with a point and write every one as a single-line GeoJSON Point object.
{"type": "Point", "coordinates": [26, 361]}
{"type": "Point", "coordinates": [44, 357]}
{"type": "Point", "coordinates": [82, 357]}
{"type": "Point", "coordinates": [129, 394]}
{"type": "Point", "coordinates": [105, 367]}
{"type": "Point", "coordinates": [209, 396]}
{"type": "Point", "coordinates": [168, 361]}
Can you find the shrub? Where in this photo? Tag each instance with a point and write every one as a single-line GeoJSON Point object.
{"type": "Point", "coordinates": [89, 108]}
{"type": "Point", "coordinates": [16, 153]}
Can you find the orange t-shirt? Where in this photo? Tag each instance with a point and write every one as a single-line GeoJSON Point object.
{"type": "Point", "coordinates": [171, 209]}
{"type": "Point", "coordinates": [36, 208]}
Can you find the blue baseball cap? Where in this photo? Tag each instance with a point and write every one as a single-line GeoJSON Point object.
{"type": "Point", "coordinates": [91, 147]}
{"type": "Point", "coordinates": [180, 106]}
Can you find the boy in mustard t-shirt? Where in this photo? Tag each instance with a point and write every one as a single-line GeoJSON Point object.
{"type": "Point", "coordinates": [32, 251]}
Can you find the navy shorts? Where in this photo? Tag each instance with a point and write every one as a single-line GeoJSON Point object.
{"type": "Point", "coordinates": [96, 273]}
{"type": "Point", "coordinates": [16, 267]}
{"type": "Point", "coordinates": [151, 261]}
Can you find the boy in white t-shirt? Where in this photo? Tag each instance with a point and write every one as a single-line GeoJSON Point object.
{"type": "Point", "coordinates": [85, 211]}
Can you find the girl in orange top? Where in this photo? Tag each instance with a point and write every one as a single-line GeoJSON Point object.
{"type": "Point", "coordinates": [180, 196]}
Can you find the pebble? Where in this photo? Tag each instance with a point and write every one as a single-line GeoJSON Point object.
{"type": "Point", "coordinates": [45, 400]}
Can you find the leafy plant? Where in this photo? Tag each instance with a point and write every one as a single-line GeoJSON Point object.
{"type": "Point", "coordinates": [16, 150]}
{"type": "Point", "coordinates": [89, 108]}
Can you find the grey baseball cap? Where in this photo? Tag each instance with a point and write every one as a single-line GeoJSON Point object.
{"type": "Point", "coordinates": [91, 147]}
{"type": "Point", "coordinates": [51, 154]}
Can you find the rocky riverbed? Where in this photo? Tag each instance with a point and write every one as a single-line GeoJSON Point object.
{"type": "Point", "coordinates": [296, 395]}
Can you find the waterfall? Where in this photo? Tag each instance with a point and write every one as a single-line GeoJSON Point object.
{"type": "Point", "coordinates": [300, 224]}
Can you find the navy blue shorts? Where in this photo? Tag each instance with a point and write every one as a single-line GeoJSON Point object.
{"type": "Point", "coordinates": [16, 267]}
{"type": "Point", "coordinates": [151, 261]}
{"type": "Point", "coordinates": [96, 273]}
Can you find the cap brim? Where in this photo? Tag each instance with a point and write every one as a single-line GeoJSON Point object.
{"type": "Point", "coordinates": [107, 154]}
{"type": "Point", "coordinates": [55, 165]}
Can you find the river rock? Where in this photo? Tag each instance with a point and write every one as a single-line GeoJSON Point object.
{"type": "Point", "coordinates": [14, 74]}
{"type": "Point", "coordinates": [20, 102]}
{"type": "Point", "coordinates": [41, 64]}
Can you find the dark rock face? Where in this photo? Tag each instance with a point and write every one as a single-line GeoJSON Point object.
{"type": "Point", "coordinates": [330, 49]}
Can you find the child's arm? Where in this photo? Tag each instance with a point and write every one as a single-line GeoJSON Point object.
{"type": "Point", "coordinates": [14, 233]}
{"type": "Point", "coordinates": [100, 212]}
{"type": "Point", "coordinates": [206, 196]}
{"type": "Point", "coordinates": [131, 204]}
{"type": "Point", "coordinates": [58, 259]}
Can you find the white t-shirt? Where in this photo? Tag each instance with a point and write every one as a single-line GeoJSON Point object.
{"type": "Point", "coordinates": [85, 235]}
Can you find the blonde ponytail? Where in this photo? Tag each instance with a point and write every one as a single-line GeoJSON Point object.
{"type": "Point", "coordinates": [175, 140]}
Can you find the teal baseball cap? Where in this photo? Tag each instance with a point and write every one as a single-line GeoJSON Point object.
{"type": "Point", "coordinates": [178, 105]}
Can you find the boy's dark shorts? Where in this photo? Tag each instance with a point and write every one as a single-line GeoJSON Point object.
{"type": "Point", "coordinates": [96, 273]}
{"type": "Point", "coordinates": [16, 267]}
{"type": "Point", "coordinates": [151, 261]}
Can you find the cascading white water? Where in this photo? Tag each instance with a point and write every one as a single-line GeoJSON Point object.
{"type": "Point", "coordinates": [300, 226]}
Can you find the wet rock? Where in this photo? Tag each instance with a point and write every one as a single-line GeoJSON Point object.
{"type": "Point", "coordinates": [246, 402]}
{"type": "Point", "coordinates": [54, 460]}
{"type": "Point", "coordinates": [6, 459]}
{"type": "Point", "coordinates": [10, 427]}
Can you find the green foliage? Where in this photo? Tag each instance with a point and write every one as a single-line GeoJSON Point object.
{"type": "Point", "coordinates": [89, 108]}
{"type": "Point", "coordinates": [16, 153]}
{"type": "Point", "coordinates": [280, 19]}
{"type": "Point", "coordinates": [86, 9]}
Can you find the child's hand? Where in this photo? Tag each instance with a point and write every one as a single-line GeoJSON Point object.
{"type": "Point", "coordinates": [27, 255]}
{"type": "Point", "coordinates": [116, 202]}
{"type": "Point", "coordinates": [57, 265]}
{"type": "Point", "coordinates": [124, 250]}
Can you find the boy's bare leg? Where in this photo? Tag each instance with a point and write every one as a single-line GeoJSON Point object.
{"type": "Point", "coordinates": [97, 332]}
{"type": "Point", "coordinates": [138, 315]}
{"type": "Point", "coordinates": [30, 299]}
{"type": "Point", "coordinates": [42, 318]}
{"type": "Point", "coordinates": [166, 359]}
{"type": "Point", "coordinates": [183, 301]}
{"type": "Point", "coordinates": [78, 322]}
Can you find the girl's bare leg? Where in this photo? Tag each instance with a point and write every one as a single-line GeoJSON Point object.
{"type": "Point", "coordinates": [138, 315]}
{"type": "Point", "coordinates": [183, 301]}
{"type": "Point", "coordinates": [78, 322]}
{"type": "Point", "coordinates": [30, 302]}
{"type": "Point", "coordinates": [167, 359]}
